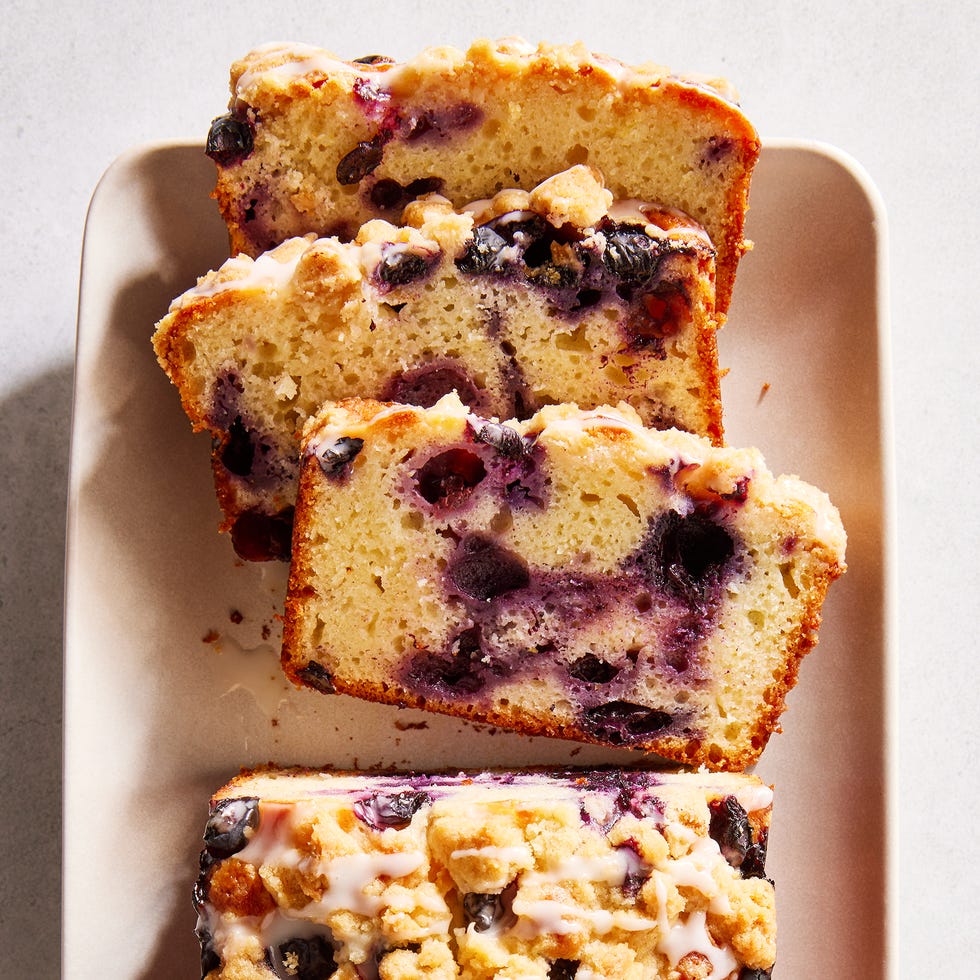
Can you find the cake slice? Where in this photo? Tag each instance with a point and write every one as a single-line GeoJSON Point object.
{"type": "Point", "coordinates": [575, 575]}
{"type": "Point", "coordinates": [314, 143]}
{"type": "Point", "coordinates": [528, 298]}
{"type": "Point", "coordinates": [538, 875]}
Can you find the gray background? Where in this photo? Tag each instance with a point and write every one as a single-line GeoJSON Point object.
{"type": "Point", "coordinates": [896, 86]}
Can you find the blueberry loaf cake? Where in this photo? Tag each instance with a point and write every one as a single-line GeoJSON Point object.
{"type": "Point", "coordinates": [575, 575]}
{"type": "Point", "coordinates": [527, 298]}
{"type": "Point", "coordinates": [315, 144]}
{"type": "Point", "coordinates": [603, 875]}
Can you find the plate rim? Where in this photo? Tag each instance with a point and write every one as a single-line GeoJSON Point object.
{"type": "Point", "coordinates": [886, 440]}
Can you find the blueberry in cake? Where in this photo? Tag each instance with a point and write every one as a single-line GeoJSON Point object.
{"type": "Point", "coordinates": [574, 575]}
{"type": "Point", "coordinates": [537, 874]}
{"type": "Point", "coordinates": [312, 143]}
{"type": "Point", "coordinates": [524, 299]}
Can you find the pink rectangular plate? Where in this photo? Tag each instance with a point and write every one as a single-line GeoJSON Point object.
{"type": "Point", "coordinates": [171, 673]}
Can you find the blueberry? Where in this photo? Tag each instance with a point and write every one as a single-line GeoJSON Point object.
{"type": "Point", "coordinates": [256, 536]}
{"type": "Point", "coordinates": [226, 830]}
{"type": "Point", "coordinates": [637, 872]}
{"type": "Point", "coordinates": [317, 676]}
{"type": "Point", "coordinates": [630, 255]}
{"type": "Point", "coordinates": [622, 722]}
{"type": "Point", "coordinates": [335, 458]}
{"type": "Point", "coordinates": [563, 970]}
{"type": "Point", "coordinates": [448, 477]}
{"type": "Point", "coordinates": [442, 121]}
{"type": "Point", "coordinates": [729, 828]}
{"type": "Point", "coordinates": [592, 670]}
{"type": "Point", "coordinates": [400, 265]}
{"type": "Point", "coordinates": [684, 556]}
{"type": "Point", "coordinates": [716, 148]}
{"type": "Point", "coordinates": [460, 671]}
{"type": "Point", "coordinates": [389, 195]}
{"type": "Point", "coordinates": [230, 139]}
{"type": "Point", "coordinates": [754, 863]}
{"type": "Point", "coordinates": [396, 810]}
{"type": "Point", "coordinates": [374, 59]}
{"type": "Point", "coordinates": [303, 959]}
{"type": "Point", "coordinates": [522, 228]}
{"type": "Point", "coordinates": [210, 960]}
{"type": "Point", "coordinates": [361, 161]}
{"type": "Point", "coordinates": [238, 452]}
{"type": "Point", "coordinates": [483, 570]}
{"type": "Point", "coordinates": [482, 255]}
{"type": "Point", "coordinates": [747, 974]}
{"type": "Point", "coordinates": [424, 386]}
{"type": "Point", "coordinates": [486, 911]}
{"type": "Point", "coordinates": [482, 910]}
{"type": "Point", "coordinates": [505, 440]}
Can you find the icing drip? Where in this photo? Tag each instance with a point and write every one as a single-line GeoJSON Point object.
{"type": "Point", "coordinates": [265, 272]}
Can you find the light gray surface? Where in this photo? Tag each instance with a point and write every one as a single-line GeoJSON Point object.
{"type": "Point", "coordinates": [895, 86]}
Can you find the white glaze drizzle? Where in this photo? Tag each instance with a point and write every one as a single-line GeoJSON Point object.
{"type": "Point", "coordinates": [304, 59]}
{"type": "Point", "coordinates": [349, 875]}
{"type": "Point", "coordinates": [265, 272]}
{"type": "Point", "coordinates": [691, 936]}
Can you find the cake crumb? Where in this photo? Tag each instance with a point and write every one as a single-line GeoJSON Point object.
{"type": "Point", "coordinates": [211, 636]}
{"type": "Point", "coordinates": [410, 726]}
{"type": "Point", "coordinates": [763, 392]}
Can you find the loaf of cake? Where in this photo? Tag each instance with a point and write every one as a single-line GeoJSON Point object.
{"type": "Point", "coordinates": [574, 575]}
{"type": "Point", "coordinates": [527, 298]}
{"type": "Point", "coordinates": [600, 875]}
{"type": "Point", "coordinates": [316, 144]}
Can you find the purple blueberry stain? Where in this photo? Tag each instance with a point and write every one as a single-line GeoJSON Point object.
{"type": "Point", "coordinates": [391, 811]}
{"type": "Point", "coordinates": [230, 826]}
{"type": "Point", "coordinates": [426, 384]}
{"type": "Point", "coordinates": [716, 150]}
{"type": "Point", "coordinates": [448, 478]}
{"type": "Point", "coordinates": [592, 669]}
{"type": "Point", "coordinates": [481, 569]}
{"type": "Point", "coordinates": [461, 671]}
{"type": "Point", "coordinates": [686, 557]}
